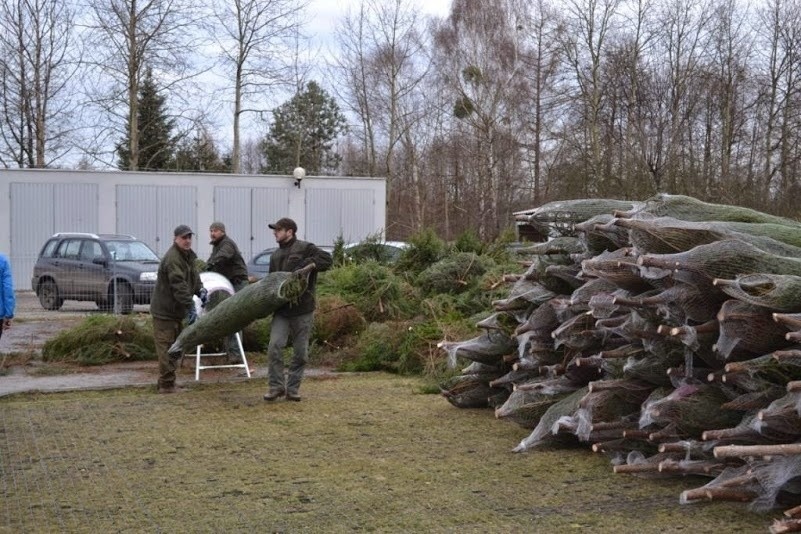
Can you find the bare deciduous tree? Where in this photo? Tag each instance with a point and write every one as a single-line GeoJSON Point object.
{"type": "Point", "coordinates": [542, 58]}
{"type": "Point", "coordinates": [351, 66]}
{"type": "Point", "coordinates": [480, 57]}
{"type": "Point", "coordinates": [129, 36]}
{"type": "Point", "coordinates": [780, 31]}
{"type": "Point", "coordinates": [37, 61]}
{"type": "Point", "coordinates": [384, 63]}
{"type": "Point", "coordinates": [669, 97]}
{"type": "Point", "coordinates": [251, 156]}
{"type": "Point", "coordinates": [731, 49]}
{"type": "Point", "coordinates": [590, 27]}
{"type": "Point", "coordinates": [255, 38]}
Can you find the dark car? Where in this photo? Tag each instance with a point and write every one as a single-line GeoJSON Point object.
{"type": "Point", "coordinates": [115, 271]}
{"type": "Point", "coordinates": [259, 265]}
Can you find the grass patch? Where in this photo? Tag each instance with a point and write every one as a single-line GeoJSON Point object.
{"type": "Point", "coordinates": [10, 359]}
{"type": "Point", "coordinates": [360, 453]}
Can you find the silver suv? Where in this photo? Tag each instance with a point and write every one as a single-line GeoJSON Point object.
{"type": "Point", "coordinates": [115, 271]}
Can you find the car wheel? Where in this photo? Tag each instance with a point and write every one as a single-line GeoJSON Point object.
{"type": "Point", "coordinates": [121, 298]}
{"type": "Point", "coordinates": [48, 295]}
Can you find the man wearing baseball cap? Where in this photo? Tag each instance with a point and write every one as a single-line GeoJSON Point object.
{"type": "Point", "coordinates": [284, 223]}
{"type": "Point", "coordinates": [296, 319]}
{"type": "Point", "coordinates": [176, 282]}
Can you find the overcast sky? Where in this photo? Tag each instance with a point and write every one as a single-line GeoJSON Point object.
{"type": "Point", "coordinates": [324, 17]}
{"type": "Point", "coordinates": [326, 14]}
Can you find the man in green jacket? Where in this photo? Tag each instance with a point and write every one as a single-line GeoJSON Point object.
{"type": "Point", "coordinates": [292, 319]}
{"type": "Point", "coordinates": [225, 259]}
{"type": "Point", "coordinates": [177, 281]}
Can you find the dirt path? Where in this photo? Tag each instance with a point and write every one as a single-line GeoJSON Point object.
{"type": "Point", "coordinates": [23, 370]}
{"type": "Point", "coordinates": [21, 346]}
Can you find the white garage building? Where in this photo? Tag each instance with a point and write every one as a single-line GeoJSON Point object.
{"type": "Point", "coordinates": [36, 203]}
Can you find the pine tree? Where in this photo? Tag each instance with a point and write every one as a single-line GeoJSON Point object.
{"type": "Point", "coordinates": [199, 153]}
{"type": "Point", "coordinates": [156, 144]}
{"type": "Point", "coordinates": [303, 133]}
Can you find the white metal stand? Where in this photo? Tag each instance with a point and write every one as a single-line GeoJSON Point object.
{"type": "Point", "coordinates": [199, 355]}
{"type": "Point", "coordinates": [214, 282]}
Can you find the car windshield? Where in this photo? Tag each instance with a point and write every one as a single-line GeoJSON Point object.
{"type": "Point", "coordinates": [263, 258]}
{"type": "Point", "coordinates": [130, 251]}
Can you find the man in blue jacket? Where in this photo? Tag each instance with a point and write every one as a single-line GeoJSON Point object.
{"type": "Point", "coordinates": [7, 299]}
{"type": "Point", "coordinates": [296, 319]}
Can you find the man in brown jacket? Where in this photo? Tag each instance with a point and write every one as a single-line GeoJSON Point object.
{"type": "Point", "coordinates": [294, 320]}
{"type": "Point", "coordinates": [177, 281]}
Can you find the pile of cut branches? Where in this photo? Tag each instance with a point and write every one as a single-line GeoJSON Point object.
{"type": "Point", "coordinates": [665, 334]}
{"type": "Point", "coordinates": [102, 339]}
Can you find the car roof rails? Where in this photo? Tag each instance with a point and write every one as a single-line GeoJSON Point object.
{"type": "Point", "coordinates": [75, 234]}
{"type": "Point", "coordinates": [117, 236]}
{"type": "Point", "coordinates": [94, 236]}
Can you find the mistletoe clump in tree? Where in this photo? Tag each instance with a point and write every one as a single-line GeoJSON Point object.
{"type": "Point", "coordinates": [303, 132]}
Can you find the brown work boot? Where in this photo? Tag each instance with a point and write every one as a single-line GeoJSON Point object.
{"type": "Point", "coordinates": [273, 395]}
{"type": "Point", "coordinates": [293, 397]}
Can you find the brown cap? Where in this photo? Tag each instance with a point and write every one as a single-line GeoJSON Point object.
{"type": "Point", "coordinates": [181, 230]}
{"type": "Point", "coordinates": [217, 225]}
{"type": "Point", "coordinates": [284, 223]}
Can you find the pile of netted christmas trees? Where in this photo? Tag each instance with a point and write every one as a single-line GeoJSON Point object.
{"type": "Point", "coordinates": [665, 333]}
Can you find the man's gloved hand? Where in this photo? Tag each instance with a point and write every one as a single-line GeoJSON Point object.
{"type": "Point", "coordinates": [203, 295]}
{"type": "Point", "coordinates": [191, 315]}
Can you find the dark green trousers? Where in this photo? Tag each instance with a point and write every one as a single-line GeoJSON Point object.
{"type": "Point", "coordinates": [165, 332]}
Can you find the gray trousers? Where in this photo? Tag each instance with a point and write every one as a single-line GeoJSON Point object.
{"type": "Point", "coordinates": [281, 329]}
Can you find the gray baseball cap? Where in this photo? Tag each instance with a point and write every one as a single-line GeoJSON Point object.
{"type": "Point", "coordinates": [182, 230]}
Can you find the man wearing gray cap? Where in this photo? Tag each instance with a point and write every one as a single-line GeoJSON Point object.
{"type": "Point", "coordinates": [292, 319]}
{"type": "Point", "coordinates": [225, 259]}
{"type": "Point", "coordinates": [177, 281]}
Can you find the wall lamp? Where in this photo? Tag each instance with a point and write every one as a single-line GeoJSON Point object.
{"type": "Point", "coordinates": [299, 173]}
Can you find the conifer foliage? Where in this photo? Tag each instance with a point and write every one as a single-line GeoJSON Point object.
{"type": "Point", "coordinates": [303, 133]}
{"type": "Point", "coordinates": [156, 144]}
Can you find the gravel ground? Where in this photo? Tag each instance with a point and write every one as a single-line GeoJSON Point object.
{"type": "Point", "coordinates": [33, 326]}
